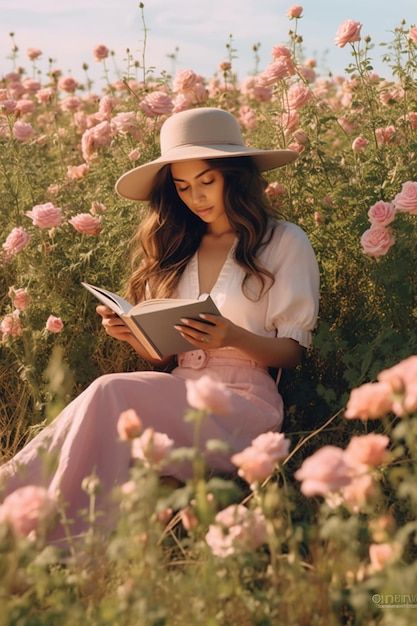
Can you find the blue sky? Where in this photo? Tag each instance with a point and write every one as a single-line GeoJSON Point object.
{"type": "Point", "coordinates": [68, 30]}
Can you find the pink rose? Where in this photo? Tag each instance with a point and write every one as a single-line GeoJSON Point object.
{"type": "Point", "coordinates": [275, 190]}
{"type": "Point", "coordinates": [247, 117]}
{"type": "Point", "coordinates": [188, 518]}
{"type": "Point", "coordinates": [184, 80]}
{"type": "Point", "coordinates": [33, 53]}
{"type": "Point", "coordinates": [300, 136]}
{"type": "Point", "coordinates": [347, 125]}
{"type": "Point", "coordinates": [129, 425]}
{"type": "Point", "coordinates": [281, 68]}
{"type": "Point", "coordinates": [324, 471]}
{"type": "Point", "coordinates": [384, 135]}
{"type": "Point", "coordinates": [70, 104]}
{"type": "Point", "coordinates": [76, 172]}
{"type": "Point", "coordinates": [254, 465]}
{"type": "Point", "coordinates": [45, 95]}
{"type": "Point", "coordinates": [86, 224]}
{"type": "Point", "coordinates": [377, 240]}
{"type": "Point", "coordinates": [22, 131]}
{"type": "Point", "coordinates": [281, 51]}
{"type": "Point", "coordinates": [273, 444]}
{"type": "Point", "coordinates": [411, 118]}
{"type": "Point", "coordinates": [359, 144]}
{"type": "Point", "coordinates": [406, 200]}
{"type": "Point", "coordinates": [68, 84]}
{"type": "Point", "coordinates": [126, 123]}
{"type": "Point", "coordinates": [25, 106]}
{"type": "Point", "coordinates": [157, 103]}
{"type": "Point", "coordinates": [20, 298]}
{"type": "Point", "coordinates": [45, 215]}
{"type": "Point", "coordinates": [15, 242]}
{"type": "Point", "coordinates": [100, 52]}
{"type": "Point", "coordinates": [7, 106]}
{"type": "Point", "coordinates": [402, 379]}
{"type": "Point", "coordinates": [356, 494]}
{"type": "Point", "coordinates": [369, 401]}
{"type": "Point", "coordinates": [27, 509]}
{"type": "Point", "coordinates": [54, 324]}
{"type": "Point", "coordinates": [348, 32]}
{"type": "Point", "coordinates": [206, 394]}
{"type": "Point", "coordinates": [298, 96]}
{"type": "Point", "coordinates": [152, 447]}
{"type": "Point", "coordinates": [98, 136]}
{"type": "Point", "coordinates": [380, 554]}
{"type": "Point", "coordinates": [295, 11]}
{"type": "Point", "coordinates": [367, 451]}
{"type": "Point", "coordinates": [412, 34]}
{"type": "Point", "coordinates": [10, 325]}
{"type": "Point", "coordinates": [381, 213]}
{"type": "Point", "coordinates": [236, 529]}
{"type": "Point", "coordinates": [134, 154]}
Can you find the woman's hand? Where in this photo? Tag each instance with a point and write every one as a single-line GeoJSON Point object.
{"type": "Point", "coordinates": [113, 325]}
{"type": "Point", "coordinates": [218, 333]}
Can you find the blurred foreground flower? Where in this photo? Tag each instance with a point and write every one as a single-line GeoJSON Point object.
{"type": "Point", "coordinates": [129, 425]}
{"type": "Point", "coordinates": [152, 447]}
{"type": "Point", "coordinates": [10, 325]}
{"type": "Point", "coordinates": [26, 509]}
{"type": "Point", "coordinates": [206, 394]}
{"type": "Point", "coordinates": [236, 529]}
{"type": "Point", "coordinates": [259, 460]}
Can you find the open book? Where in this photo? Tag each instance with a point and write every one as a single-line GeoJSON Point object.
{"type": "Point", "coordinates": [152, 321]}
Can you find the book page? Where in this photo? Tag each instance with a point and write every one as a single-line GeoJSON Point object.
{"type": "Point", "coordinates": [112, 300]}
{"type": "Point", "coordinates": [159, 305]}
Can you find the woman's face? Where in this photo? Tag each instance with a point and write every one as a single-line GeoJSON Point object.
{"type": "Point", "coordinates": [201, 189]}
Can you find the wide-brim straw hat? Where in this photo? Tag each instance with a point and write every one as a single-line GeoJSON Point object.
{"type": "Point", "coordinates": [203, 133]}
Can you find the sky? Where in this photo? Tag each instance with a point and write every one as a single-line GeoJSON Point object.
{"type": "Point", "coordinates": [68, 30]}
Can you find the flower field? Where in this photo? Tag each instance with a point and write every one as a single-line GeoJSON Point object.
{"type": "Point", "coordinates": [319, 526]}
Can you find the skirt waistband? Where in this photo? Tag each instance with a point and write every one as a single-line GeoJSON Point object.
{"type": "Point", "coordinates": [197, 359]}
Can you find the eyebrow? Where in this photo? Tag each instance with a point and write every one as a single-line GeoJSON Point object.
{"type": "Point", "coordinates": [181, 180]}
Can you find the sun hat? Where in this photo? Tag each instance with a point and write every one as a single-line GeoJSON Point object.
{"type": "Point", "coordinates": [202, 133]}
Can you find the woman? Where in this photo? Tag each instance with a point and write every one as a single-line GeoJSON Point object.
{"type": "Point", "coordinates": [209, 230]}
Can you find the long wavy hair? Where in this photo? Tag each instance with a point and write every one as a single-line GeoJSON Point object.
{"type": "Point", "coordinates": [170, 233]}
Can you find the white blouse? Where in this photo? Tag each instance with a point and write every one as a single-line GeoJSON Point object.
{"type": "Point", "coordinates": [288, 309]}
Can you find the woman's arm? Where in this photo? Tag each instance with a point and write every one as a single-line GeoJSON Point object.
{"type": "Point", "coordinates": [269, 351]}
{"type": "Point", "coordinates": [117, 329]}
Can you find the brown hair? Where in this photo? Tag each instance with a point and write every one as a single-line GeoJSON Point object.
{"type": "Point", "coordinates": [170, 234]}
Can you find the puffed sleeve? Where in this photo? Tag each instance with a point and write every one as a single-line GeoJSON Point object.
{"type": "Point", "coordinates": [293, 299]}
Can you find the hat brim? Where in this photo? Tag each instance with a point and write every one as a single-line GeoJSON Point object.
{"type": "Point", "coordinates": [137, 184]}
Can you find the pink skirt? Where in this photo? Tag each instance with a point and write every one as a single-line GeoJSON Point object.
{"type": "Point", "coordinates": [83, 438]}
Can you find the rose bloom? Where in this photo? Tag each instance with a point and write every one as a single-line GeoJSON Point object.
{"type": "Point", "coordinates": [126, 123]}
{"type": "Point", "coordinates": [68, 84]}
{"type": "Point", "coordinates": [33, 53]}
{"type": "Point", "coordinates": [277, 70]}
{"type": "Point", "coordinates": [188, 518]}
{"type": "Point", "coordinates": [406, 200]}
{"type": "Point", "coordinates": [100, 52]}
{"type": "Point", "coordinates": [152, 447]}
{"type": "Point", "coordinates": [356, 494]}
{"type": "Point", "coordinates": [298, 96]}
{"type": "Point", "coordinates": [8, 106]}
{"type": "Point", "coordinates": [236, 529]}
{"type": "Point", "coordinates": [247, 117]}
{"type": "Point", "coordinates": [377, 240]}
{"type": "Point", "coordinates": [289, 121]}
{"type": "Point", "coordinates": [411, 118]}
{"type": "Point", "coordinates": [369, 401]}
{"type": "Point", "coordinates": [30, 85]}
{"type": "Point", "coordinates": [15, 241]}
{"type": "Point", "coordinates": [367, 450]}
{"type": "Point", "coordinates": [20, 298]}
{"type": "Point", "coordinates": [324, 471]}
{"type": "Point", "coordinates": [129, 425]}
{"type": "Point", "coordinates": [106, 106]}
{"type": "Point", "coordinates": [384, 135]}
{"type": "Point", "coordinates": [22, 131]}
{"type": "Point", "coordinates": [54, 324]}
{"type": "Point", "coordinates": [134, 154]}
{"type": "Point", "coordinates": [45, 95]}
{"type": "Point", "coordinates": [274, 190]}
{"type": "Point", "coordinates": [93, 138]}
{"type": "Point", "coordinates": [254, 465]}
{"type": "Point", "coordinates": [25, 106]}
{"type": "Point", "coordinates": [380, 554]}
{"type": "Point", "coordinates": [184, 80]}
{"type": "Point", "coordinates": [348, 32]}
{"type": "Point", "coordinates": [281, 51]}
{"type": "Point", "coordinates": [412, 34]}
{"type": "Point", "coordinates": [382, 213]}
{"type": "Point", "coordinates": [359, 144]}
{"type": "Point", "coordinates": [10, 325]}
{"type": "Point", "coordinates": [26, 509]}
{"type": "Point", "coordinates": [45, 215]}
{"type": "Point", "coordinates": [76, 172]}
{"type": "Point", "coordinates": [402, 379]}
{"type": "Point", "coordinates": [295, 11]}
{"type": "Point", "coordinates": [70, 104]}
{"type": "Point", "coordinates": [206, 394]}
{"type": "Point", "coordinates": [156, 103]}
{"type": "Point", "coordinates": [86, 224]}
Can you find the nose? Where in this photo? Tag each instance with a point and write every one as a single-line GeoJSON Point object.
{"type": "Point", "coordinates": [197, 194]}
